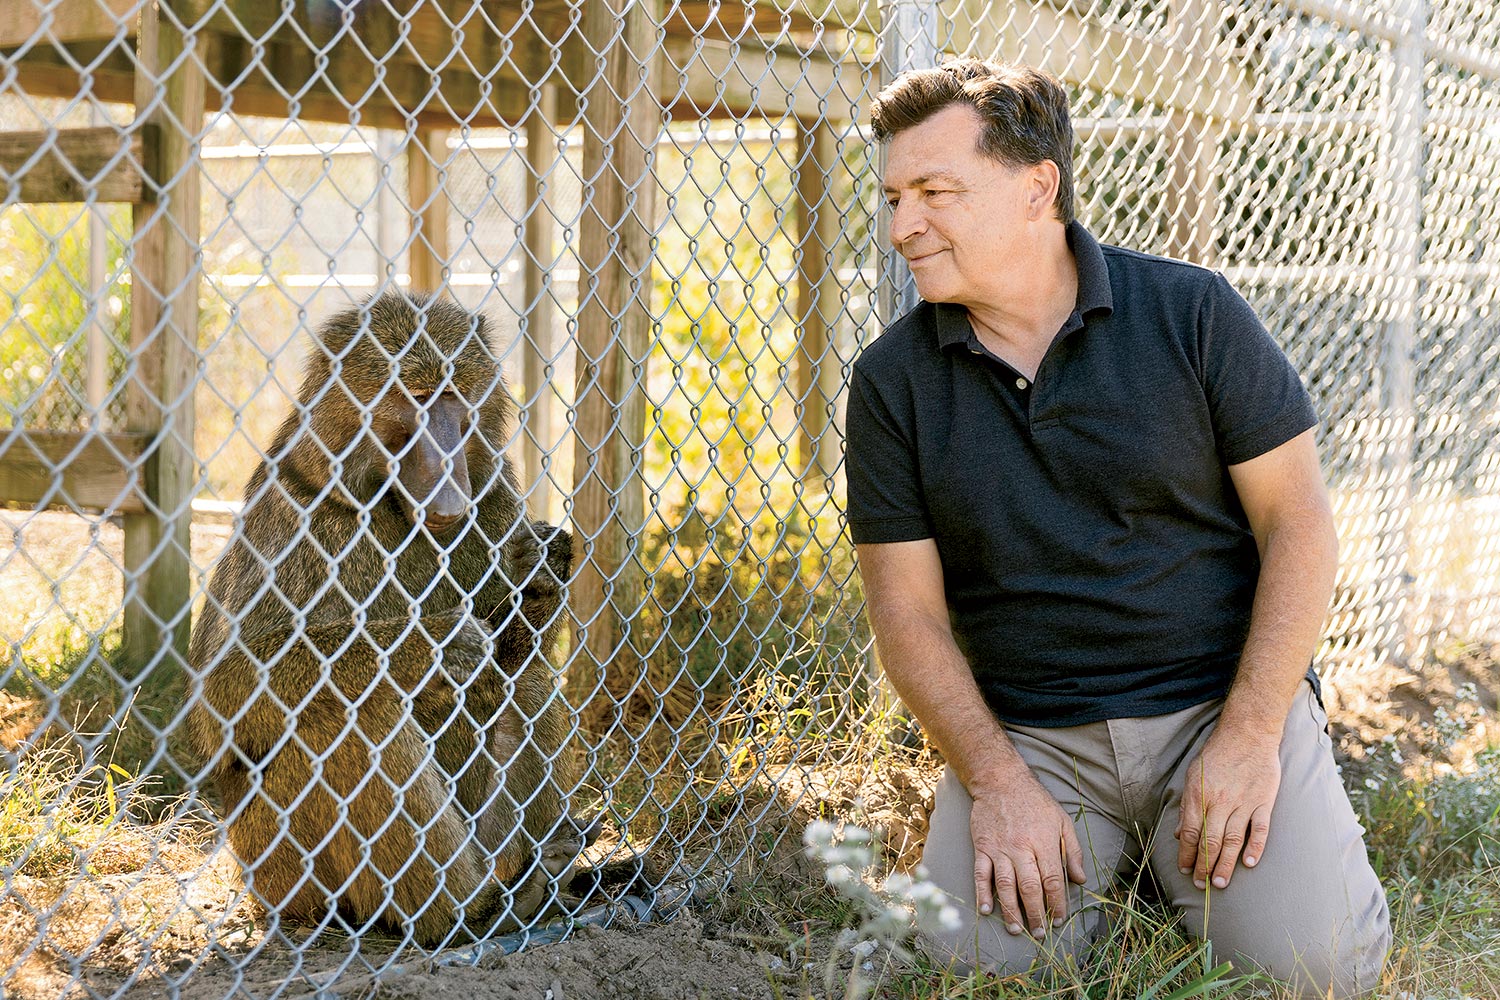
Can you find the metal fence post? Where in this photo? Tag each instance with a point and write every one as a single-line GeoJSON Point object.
{"type": "Point", "coordinates": [538, 352]}
{"type": "Point", "coordinates": [1404, 95]}
{"type": "Point", "coordinates": [909, 40]}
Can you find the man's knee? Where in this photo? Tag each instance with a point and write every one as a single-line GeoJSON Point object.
{"type": "Point", "coordinates": [1346, 966]}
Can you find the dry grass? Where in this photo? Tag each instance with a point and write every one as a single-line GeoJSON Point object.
{"type": "Point", "coordinates": [92, 887]}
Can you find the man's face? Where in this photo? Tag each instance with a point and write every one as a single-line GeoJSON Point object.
{"type": "Point", "coordinates": [961, 219]}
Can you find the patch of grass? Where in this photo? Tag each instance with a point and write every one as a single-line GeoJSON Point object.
{"type": "Point", "coordinates": [1144, 956]}
{"type": "Point", "coordinates": [1436, 818]}
{"type": "Point", "coordinates": [1433, 829]}
{"type": "Point", "coordinates": [52, 812]}
{"type": "Point", "coordinates": [63, 596]}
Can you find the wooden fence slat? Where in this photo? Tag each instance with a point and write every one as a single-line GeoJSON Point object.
{"type": "Point", "coordinates": [96, 470]}
{"type": "Point", "coordinates": [621, 122]}
{"type": "Point", "coordinates": [80, 161]}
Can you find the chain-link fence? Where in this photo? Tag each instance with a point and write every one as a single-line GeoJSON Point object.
{"type": "Point", "coordinates": [668, 215]}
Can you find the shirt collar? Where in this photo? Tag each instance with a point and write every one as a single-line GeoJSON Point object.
{"type": "Point", "coordinates": [1094, 291]}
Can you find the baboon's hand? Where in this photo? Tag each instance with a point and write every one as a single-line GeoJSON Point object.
{"type": "Point", "coordinates": [541, 557]}
{"type": "Point", "coordinates": [465, 646]}
{"type": "Point", "coordinates": [555, 858]}
{"type": "Point", "coordinates": [558, 554]}
{"type": "Point", "coordinates": [558, 854]}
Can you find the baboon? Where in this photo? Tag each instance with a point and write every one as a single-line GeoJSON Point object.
{"type": "Point", "coordinates": [377, 713]}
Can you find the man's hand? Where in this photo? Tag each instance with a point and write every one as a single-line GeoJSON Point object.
{"type": "Point", "coordinates": [1226, 805]}
{"type": "Point", "coordinates": [1025, 851]}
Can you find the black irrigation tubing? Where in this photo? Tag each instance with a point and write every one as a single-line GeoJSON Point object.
{"type": "Point", "coordinates": [662, 905]}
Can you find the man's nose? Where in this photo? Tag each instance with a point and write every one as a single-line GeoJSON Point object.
{"type": "Point", "coordinates": [906, 221]}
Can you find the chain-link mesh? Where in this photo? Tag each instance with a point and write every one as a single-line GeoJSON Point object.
{"type": "Point", "coordinates": [668, 216]}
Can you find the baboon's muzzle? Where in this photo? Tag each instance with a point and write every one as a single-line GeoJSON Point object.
{"type": "Point", "coordinates": [435, 470]}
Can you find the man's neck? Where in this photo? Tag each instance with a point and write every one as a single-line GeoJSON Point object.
{"type": "Point", "coordinates": [1023, 319]}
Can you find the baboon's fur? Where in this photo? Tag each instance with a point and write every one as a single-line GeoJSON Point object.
{"type": "Point", "coordinates": [383, 727]}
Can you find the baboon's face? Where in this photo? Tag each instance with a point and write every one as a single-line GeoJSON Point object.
{"type": "Point", "coordinates": [425, 392]}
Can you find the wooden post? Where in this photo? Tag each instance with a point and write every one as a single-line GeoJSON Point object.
{"type": "Point", "coordinates": [621, 122]}
{"type": "Point", "coordinates": [537, 349]}
{"type": "Point", "coordinates": [819, 304]}
{"type": "Point", "coordinates": [426, 159]}
{"type": "Point", "coordinates": [164, 352]}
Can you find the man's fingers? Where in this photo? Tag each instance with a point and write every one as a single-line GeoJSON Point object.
{"type": "Point", "coordinates": [1033, 896]}
{"type": "Point", "coordinates": [1210, 844]}
{"type": "Point", "coordinates": [1074, 855]}
{"type": "Point", "coordinates": [984, 882]}
{"type": "Point", "coordinates": [1055, 890]}
{"type": "Point", "coordinates": [1229, 851]}
{"type": "Point", "coordinates": [1260, 832]}
{"type": "Point", "coordinates": [1005, 895]}
{"type": "Point", "coordinates": [1189, 830]}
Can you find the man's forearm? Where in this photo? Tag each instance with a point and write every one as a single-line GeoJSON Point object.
{"type": "Point", "coordinates": [934, 680]}
{"type": "Point", "coordinates": [1298, 564]}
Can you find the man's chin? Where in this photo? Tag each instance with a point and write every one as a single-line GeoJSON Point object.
{"type": "Point", "coordinates": [935, 291]}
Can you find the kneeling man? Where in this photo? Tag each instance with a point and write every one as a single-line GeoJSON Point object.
{"type": "Point", "coordinates": [1098, 552]}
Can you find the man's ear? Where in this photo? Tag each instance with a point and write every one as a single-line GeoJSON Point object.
{"type": "Point", "coordinates": [1041, 190]}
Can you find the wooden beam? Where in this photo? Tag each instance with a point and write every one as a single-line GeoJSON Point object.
{"type": "Point", "coordinates": [259, 83]}
{"type": "Point", "coordinates": [819, 303]}
{"type": "Point", "coordinates": [105, 162]}
{"type": "Point", "coordinates": [43, 74]}
{"type": "Point", "coordinates": [68, 21]}
{"type": "Point", "coordinates": [717, 79]}
{"type": "Point", "coordinates": [451, 37]}
{"type": "Point", "coordinates": [82, 471]}
{"type": "Point", "coordinates": [543, 163]}
{"type": "Point", "coordinates": [743, 18]}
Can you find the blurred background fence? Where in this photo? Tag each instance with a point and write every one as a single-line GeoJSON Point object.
{"type": "Point", "coordinates": [670, 213]}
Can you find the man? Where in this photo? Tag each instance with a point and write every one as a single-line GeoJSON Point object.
{"type": "Point", "coordinates": [1097, 552]}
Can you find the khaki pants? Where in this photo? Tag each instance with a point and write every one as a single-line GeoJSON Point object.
{"type": "Point", "coordinates": [1312, 912]}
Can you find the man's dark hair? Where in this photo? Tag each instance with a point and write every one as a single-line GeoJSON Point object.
{"type": "Point", "coordinates": [1025, 114]}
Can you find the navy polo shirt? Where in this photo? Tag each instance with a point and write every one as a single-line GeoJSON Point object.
{"type": "Point", "coordinates": [1096, 558]}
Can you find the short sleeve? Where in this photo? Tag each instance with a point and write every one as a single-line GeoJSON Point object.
{"type": "Point", "coordinates": [1256, 400]}
{"type": "Point", "coordinates": [884, 490]}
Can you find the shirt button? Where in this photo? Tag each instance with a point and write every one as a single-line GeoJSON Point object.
{"type": "Point", "coordinates": [1020, 383]}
